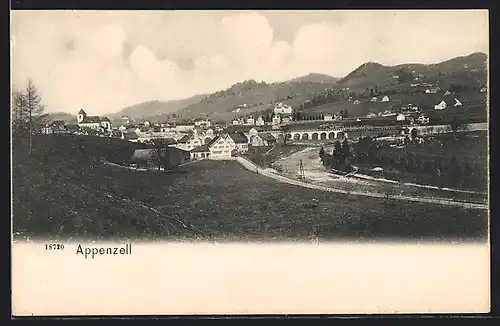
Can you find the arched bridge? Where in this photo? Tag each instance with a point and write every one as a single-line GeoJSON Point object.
{"type": "Point", "coordinates": [316, 134]}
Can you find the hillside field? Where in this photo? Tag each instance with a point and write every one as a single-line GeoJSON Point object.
{"type": "Point", "coordinates": [59, 195]}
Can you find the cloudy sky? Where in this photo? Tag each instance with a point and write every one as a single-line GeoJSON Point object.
{"type": "Point", "coordinates": [104, 61]}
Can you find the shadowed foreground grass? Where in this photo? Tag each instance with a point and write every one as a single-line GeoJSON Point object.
{"type": "Point", "coordinates": [209, 199]}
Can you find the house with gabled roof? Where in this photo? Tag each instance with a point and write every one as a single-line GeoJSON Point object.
{"type": "Point", "coordinates": [188, 142]}
{"type": "Point", "coordinates": [200, 152]}
{"type": "Point", "coordinates": [130, 136]}
{"type": "Point", "coordinates": [263, 139]}
{"type": "Point", "coordinates": [221, 147]}
{"type": "Point", "coordinates": [240, 140]}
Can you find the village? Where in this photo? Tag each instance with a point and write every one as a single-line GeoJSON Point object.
{"type": "Point", "coordinates": [204, 139]}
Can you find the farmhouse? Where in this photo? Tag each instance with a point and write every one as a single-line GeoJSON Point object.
{"type": "Point", "coordinates": [200, 152]}
{"type": "Point", "coordinates": [250, 121]}
{"type": "Point", "coordinates": [57, 126]}
{"type": "Point", "coordinates": [188, 142]}
{"type": "Point", "coordinates": [457, 103]}
{"type": "Point", "coordinates": [92, 122]}
{"type": "Point", "coordinates": [130, 136]}
{"type": "Point", "coordinates": [447, 93]}
{"type": "Point", "coordinates": [356, 102]}
{"type": "Point", "coordinates": [374, 99]}
{"type": "Point", "coordinates": [385, 99]}
{"type": "Point", "coordinates": [240, 141]}
{"type": "Point", "coordinates": [262, 139]}
{"type": "Point", "coordinates": [441, 106]}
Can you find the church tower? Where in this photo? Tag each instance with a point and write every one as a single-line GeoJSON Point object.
{"type": "Point", "coordinates": [81, 115]}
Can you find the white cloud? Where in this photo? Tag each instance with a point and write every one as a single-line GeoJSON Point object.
{"type": "Point", "coordinates": [76, 58]}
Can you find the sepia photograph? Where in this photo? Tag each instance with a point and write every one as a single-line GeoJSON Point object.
{"type": "Point", "coordinates": [248, 127]}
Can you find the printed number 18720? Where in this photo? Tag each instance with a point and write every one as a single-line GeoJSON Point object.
{"type": "Point", "coordinates": [54, 246]}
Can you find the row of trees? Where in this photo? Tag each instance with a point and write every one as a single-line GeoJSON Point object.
{"type": "Point", "coordinates": [28, 115]}
{"type": "Point", "coordinates": [341, 157]}
{"type": "Point", "coordinates": [447, 170]}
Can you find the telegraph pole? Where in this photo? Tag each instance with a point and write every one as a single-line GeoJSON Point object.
{"type": "Point", "coordinates": [301, 169]}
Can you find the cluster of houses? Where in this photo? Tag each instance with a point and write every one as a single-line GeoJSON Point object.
{"type": "Point", "coordinates": [282, 113]}
{"type": "Point", "coordinates": [223, 145]}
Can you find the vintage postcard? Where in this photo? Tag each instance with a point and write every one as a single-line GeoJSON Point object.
{"type": "Point", "coordinates": [250, 162]}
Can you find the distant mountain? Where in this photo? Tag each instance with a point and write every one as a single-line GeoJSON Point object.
{"type": "Point", "coordinates": [157, 109]}
{"type": "Point", "coordinates": [471, 68]}
{"type": "Point", "coordinates": [70, 118]}
{"type": "Point", "coordinates": [316, 78]}
{"type": "Point", "coordinates": [251, 96]}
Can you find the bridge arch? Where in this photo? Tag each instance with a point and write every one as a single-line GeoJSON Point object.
{"type": "Point", "coordinates": [305, 136]}
{"type": "Point", "coordinates": [314, 136]}
{"type": "Point", "coordinates": [296, 136]}
{"type": "Point", "coordinates": [331, 135]}
{"type": "Point", "coordinates": [323, 135]}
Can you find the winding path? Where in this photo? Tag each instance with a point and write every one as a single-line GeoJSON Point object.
{"type": "Point", "coordinates": [271, 174]}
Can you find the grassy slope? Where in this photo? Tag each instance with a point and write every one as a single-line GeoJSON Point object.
{"type": "Point", "coordinates": [58, 195]}
{"type": "Point", "coordinates": [257, 96]}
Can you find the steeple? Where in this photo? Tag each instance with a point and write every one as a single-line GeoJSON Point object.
{"type": "Point", "coordinates": [81, 116]}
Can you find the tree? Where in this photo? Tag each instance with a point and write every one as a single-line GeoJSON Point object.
{"type": "Point", "coordinates": [29, 111]}
{"type": "Point", "coordinates": [337, 148]}
{"type": "Point", "coordinates": [285, 129]}
{"type": "Point", "coordinates": [160, 155]}
{"type": "Point", "coordinates": [414, 134]}
{"type": "Point", "coordinates": [321, 152]}
{"type": "Point", "coordinates": [18, 111]}
{"type": "Point", "coordinates": [346, 149]}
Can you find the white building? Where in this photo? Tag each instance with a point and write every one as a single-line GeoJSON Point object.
{"type": "Point", "coordinates": [188, 142]}
{"type": "Point", "coordinates": [457, 103]}
{"type": "Point", "coordinates": [221, 147]}
{"type": "Point", "coordinates": [281, 108]}
{"type": "Point", "coordinates": [400, 117]}
{"type": "Point", "coordinates": [260, 121]}
{"type": "Point", "coordinates": [385, 99]}
{"type": "Point", "coordinates": [328, 117]}
{"type": "Point", "coordinates": [250, 121]}
{"type": "Point", "coordinates": [441, 106]}
{"type": "Point", "coordinates": [202, 122]}
{"type": "Point", "coordinates": [423, 120]}
{"type": "Point", "coordinates": [374, 99]}
{"type": "Point", "coordinates": [184, 127]}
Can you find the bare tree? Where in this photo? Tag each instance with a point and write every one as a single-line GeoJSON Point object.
{"type": "Point", "coordinates": [32, 110]}
{"type": "Point", "coordinates": [18, 110]}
